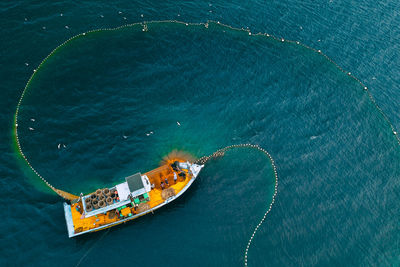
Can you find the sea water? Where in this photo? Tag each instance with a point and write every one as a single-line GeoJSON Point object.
{"type": "Point", "coordinates": [106, 105]}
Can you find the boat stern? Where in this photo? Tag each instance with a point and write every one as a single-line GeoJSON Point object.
{"type": "Point", "coordinates": [68, 219]}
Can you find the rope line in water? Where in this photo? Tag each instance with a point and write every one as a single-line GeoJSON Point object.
{"type": "Point", "coordinates": [220, 153]}
{"type": "Point", "coordinates": [90, 249]}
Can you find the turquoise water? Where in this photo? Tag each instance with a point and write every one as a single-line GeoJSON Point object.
{"type": "Point", "coordinates": [102, 93]}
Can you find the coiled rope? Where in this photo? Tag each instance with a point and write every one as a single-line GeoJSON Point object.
{"type": "Point", "coordinates": [220, 153]}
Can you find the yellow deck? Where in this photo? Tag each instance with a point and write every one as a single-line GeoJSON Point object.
{"type": "Point", "coordinates": [82, 224]}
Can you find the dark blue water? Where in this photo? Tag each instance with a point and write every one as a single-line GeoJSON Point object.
{"type": "Point", "coordinates": [337, 159]}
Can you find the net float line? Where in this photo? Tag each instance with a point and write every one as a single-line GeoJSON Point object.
{"type": "Point", "coordinates": [145, 28]}
{"type": "Point", "coordinates": [216, 154]}
{"type": "Point", "coordinates": [221, 153]}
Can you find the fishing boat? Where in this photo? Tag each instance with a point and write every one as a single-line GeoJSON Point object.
{"type": "Point", "coordinates": [135, 196]}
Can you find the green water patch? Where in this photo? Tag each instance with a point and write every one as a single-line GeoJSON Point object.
{"type": "Point", "coordinates": [27, 171]}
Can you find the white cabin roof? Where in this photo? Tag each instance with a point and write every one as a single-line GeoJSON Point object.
{"type": "Point", "coordinates": [123, 191]}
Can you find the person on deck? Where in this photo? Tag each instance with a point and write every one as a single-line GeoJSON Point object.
{"type": "Point", "coordinates": [162, 185]}
{"type": "Point", "coordinates": [166, 181]}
